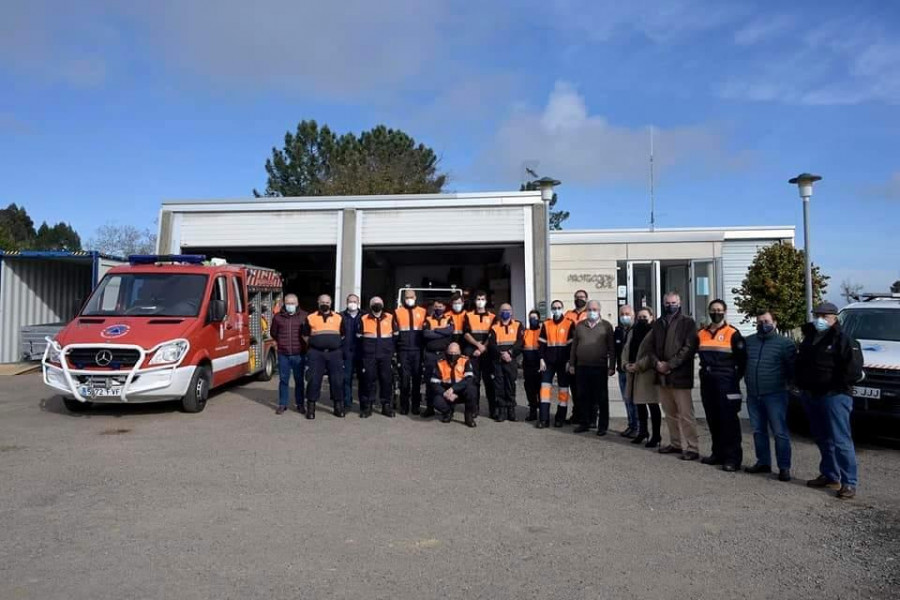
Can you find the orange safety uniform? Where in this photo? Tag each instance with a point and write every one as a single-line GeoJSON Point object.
{"type": "Point", "coordinates": [556, 344]}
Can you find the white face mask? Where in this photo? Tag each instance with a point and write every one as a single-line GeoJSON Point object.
{"type": "Point", "coordinates": [410, 302]}
{"type": "Point", "coordinates": [593, 315]}
{"type": "Point", "coordinates": [353, 306]}
{"type": "Point", "coordinates": [457, 307]}
{"type": "Point", "coordinates": [480, 303]}
{"type": "Point", "coordinates": [556, 312]}
{"type": "Point", "coordinates": [290, 308]}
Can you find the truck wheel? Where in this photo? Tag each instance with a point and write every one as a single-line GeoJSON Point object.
{"type": "Point", "coordinates": [195, 399]}
{"type": "Point", "coordinates": [76, 406]}
{"type": "Point", "coordinates": [268, 370]}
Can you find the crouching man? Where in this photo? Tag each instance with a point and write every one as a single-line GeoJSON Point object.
{"type": "Point", "coordinates": [452, 384]}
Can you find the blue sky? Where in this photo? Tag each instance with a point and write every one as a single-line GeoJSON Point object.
{"type": "Point", "coordinates": [107, 110]}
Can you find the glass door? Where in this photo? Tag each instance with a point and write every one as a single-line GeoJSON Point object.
{"type": "Point", "coordinates": [703, 288]}
{"type": "Point", "coordinates": [643, 284]}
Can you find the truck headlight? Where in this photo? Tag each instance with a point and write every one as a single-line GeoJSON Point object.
{"type": "Point", "coordinates": [169, 353]}
{"type": "Point", "coordinates": [54, 355]}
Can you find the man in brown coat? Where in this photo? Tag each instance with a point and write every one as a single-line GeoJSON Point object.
{"type": "Point", "coordinates": [673, 347]}
{"type": "Point", "coordinates": [593, 361]}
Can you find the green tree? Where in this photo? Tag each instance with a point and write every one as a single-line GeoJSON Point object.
{"type": "Point", "coordinates": [16, 228]}
{"type": "Point", "coordinates": [315, 162]}
{"type": "Point", "coordinates": [59, 237]}
{"type": "Point", "coordinates": [776, 282]}
{"type": "Point", "coordinates": [557, 217]}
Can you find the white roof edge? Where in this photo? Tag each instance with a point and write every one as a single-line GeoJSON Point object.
{"type": "Point", "coordinates": [529, 197]}
{"type": "Point", "coordinates": [764, 228]}
{"type": "Point", "coordinates": [673, 235]}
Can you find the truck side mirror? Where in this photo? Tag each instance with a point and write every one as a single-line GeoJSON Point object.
{"type": "Point", "coordinates": [216, 311]}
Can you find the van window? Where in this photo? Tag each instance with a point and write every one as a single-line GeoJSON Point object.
{"type": "Point", "coordinates": [238, 294]}
{"type": "Point", "coordinates": [881, 324]}
{"type": "Point", "coordinates": [147, 295]}
{"type": "Point", "coordinates": [220, 291]}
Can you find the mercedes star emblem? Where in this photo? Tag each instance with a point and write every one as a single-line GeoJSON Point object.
{"type": "Point", "coordinates": [103, 358]}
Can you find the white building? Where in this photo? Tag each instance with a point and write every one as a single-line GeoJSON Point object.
{"type": "Point", "coordinates": [494, 241]}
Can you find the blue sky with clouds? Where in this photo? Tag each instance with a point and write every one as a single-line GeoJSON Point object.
{"type": "Point", "coordinates": [107, 109]}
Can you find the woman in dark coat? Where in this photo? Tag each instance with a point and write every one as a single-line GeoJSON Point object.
{"type": "Point", "coordinates": [641, 381]}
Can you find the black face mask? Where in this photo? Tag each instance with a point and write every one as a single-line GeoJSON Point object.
{"type": "Point", "coordinates": [324, 308]}
{"type": "Point", "coordinates": [642, 324]}
{"type": "Point", "coordinates": [534, 323]}
{"type": "Point", "coordinates": [377, 308]}
{"type": "Point", "coordinates": [716, 317]}
{"type": "Point", "coordinates": [580, 303]}
{"type": "Point", "coordinates": [452, 358]}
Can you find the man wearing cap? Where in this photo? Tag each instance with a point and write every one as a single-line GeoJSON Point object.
{"type": "Point", "coordinates": [828, 364]}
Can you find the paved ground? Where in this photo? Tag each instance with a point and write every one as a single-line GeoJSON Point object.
{"type": "Point", "coordinates": [237, 503]}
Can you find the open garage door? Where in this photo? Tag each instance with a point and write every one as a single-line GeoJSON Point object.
{"type": "Point", "coordinates": [499, 270]}
{"type": "Point", "coordinates": [307, 270]}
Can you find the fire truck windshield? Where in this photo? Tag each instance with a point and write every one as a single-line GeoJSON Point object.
{"type": "Point", "coordinates": [147, 295]}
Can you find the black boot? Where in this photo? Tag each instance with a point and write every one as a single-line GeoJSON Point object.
{"type": "Point", "coordinates": [365, 411]}
{"type": "Point", "coordinates": [404, 409]}
{"type": "Point", "coordinates": [429, 412]}
{"type": "Point", "coordinates": [446, 417]}
{"type": "Point", "coordinates": [301, 408]}
{"type": "Point", "coordinates": [544, 417]}
{"type": "Point", "coordinates": [387, 410]}
{"type": "Point", "coordinates": [339, 410]}
{"type": "Point", "coordinates": [560, 418]}
{"type": "Point", "coordinates": [416, 408]}
{"type": "Point", "coordinates": [499, 414]}
{"type": "Point", "coordinates": [511, 414]}
{"type": "Point", "coordinates": [532, 414]}
{"type": "Point", "coordinates": [641, 436]}
{"type": "Point", "coordinates": [310, 410]}
{"type": "Point", "coordinates": [470, 419]}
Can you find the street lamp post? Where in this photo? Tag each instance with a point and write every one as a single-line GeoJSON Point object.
{"type": "Point", "coordinates": [546, 185]}
{"type": "Point", "coordinates": [804, 183]}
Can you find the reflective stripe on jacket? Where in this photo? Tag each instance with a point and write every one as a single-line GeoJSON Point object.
{"type": "Point", "coordinates": [410, 322]}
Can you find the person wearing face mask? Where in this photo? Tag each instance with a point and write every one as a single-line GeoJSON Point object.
{"type": "Point", "coordinates": [457, 316]}
{"type": "Point", "coordinates": [378, 332]}
{"type": "Point", "coordinates": [476, 328]}
{"type": "Point", "coordinates": [593, 361]}
{"type": "Point", "coordinates": [641, 381]}
{"type": "Point", "coordinates": [828, 364]}
{"type": "Point", "coordinates": [723, 361]}
{"type": "Point", "coordinates": [555, 342]}
{"type": "Point", "coordinates": [673, 348]}
{"type": "Point", "coordinates": [438, 335]}
{"type": "Point", "coordinates": [504, 347]}
{"type": "Point", "coordinates": [770, 367]}
{"type": "Point", "coordinates": [451, 384]}
{"type": "Point", "coordinates": [531, 363]}
{"type": "Point", "coordinates": [324, 333]}
{"type": "Point", "coordinates": [577, 315]}
{"type": "Point", "coordinates": [351, 317]}
{"type": "Point", "coordinates": [410, 323]}
{"type": "Point", "coordinates": [286, 330]}
{"type": "Point", "coordinates": [626, 322]}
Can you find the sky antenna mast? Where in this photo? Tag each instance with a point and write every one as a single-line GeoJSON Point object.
{"type": "Point", "coordinates": [652, 196]}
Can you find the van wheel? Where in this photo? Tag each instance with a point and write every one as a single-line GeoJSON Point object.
{"type": "Point", "coordinates": [76, 406]}
{"type": "Point", "coordinates": [195, 399]}
{"type": "Point", "coordinates": [268, 370]}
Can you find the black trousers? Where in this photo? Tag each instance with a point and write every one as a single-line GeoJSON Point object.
{"type": "Point", "coordinates": [441, 405]}
{"type": "Point", "coordinates": [377, 376]}
{"type": "Point", "coordinates": [532, 375]}
{"type": "Point", "coordinates": [483, 372]}
{"type": "Point", "coordinates": [505, 374]}
{"type": "Point", "coordinates": [320, 362]}
{"type": "Point", "coordinates": [655, 419]}
{"type": "Point", "coordinates": [593, 396]}
{"type": "Point", "coordinates": [722, 405]}
{"type": "Point", "coordinates": [429, 363]}
{"type": "Point", "coordinates": [410, 377]}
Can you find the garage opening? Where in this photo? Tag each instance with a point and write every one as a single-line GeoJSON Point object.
{"type": "Point", "coordinates": [307, 270]}
{"type": "Point", "coordinates": [498, 270]}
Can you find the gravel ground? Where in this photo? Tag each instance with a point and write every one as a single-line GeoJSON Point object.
{"type": "Point", "coordinates": [148, 502]}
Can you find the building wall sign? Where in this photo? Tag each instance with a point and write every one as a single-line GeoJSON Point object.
{"type": "Point", "coordinates": [599, 280]}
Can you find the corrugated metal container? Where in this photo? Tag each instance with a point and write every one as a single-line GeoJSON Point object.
{"type": "Point", "coordinates": [33, 339]}
{"type": "Point", "coordinates": [737, 256]}
{"type": "Point", "coordinates": [39, 288]}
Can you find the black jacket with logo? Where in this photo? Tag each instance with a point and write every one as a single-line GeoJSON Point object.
{"type": "Point", "coordinates": [830, 364]}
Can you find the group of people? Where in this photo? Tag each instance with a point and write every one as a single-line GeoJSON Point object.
{"type": "Point", "coordinates": [456, 352]}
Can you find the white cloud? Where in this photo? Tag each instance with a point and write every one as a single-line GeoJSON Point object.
{"type": "Point", "coordinates": [576, 146]}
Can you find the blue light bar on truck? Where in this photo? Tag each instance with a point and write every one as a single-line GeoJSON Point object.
{"type": "Point", "coordinates": [152, 259]}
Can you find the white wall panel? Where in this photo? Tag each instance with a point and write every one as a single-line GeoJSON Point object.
{"type": "Point", "coordinates": [259, 228]}
{"type": "Point", "coordinates": [443, 225]}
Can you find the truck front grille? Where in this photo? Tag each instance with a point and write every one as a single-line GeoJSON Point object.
{"type": "Point", "coordinates": [113, 359]}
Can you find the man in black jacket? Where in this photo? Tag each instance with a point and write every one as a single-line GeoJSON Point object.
{"type": "Point", "coordinates": [828, 365]}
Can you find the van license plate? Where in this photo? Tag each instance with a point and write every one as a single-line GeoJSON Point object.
{"type": "Point", "coordinates": [867, 392]}
{"type": "Point", "coordinates": [101, 392]}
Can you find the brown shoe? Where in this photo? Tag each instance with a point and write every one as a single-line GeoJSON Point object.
{"type": "Point", "coordinates": [690, 456]}
{"type": "Point", "coordinates": [847, 492]}
{"type": "Point", "coordinates": [280, 410]}
{"type": "Point", "coordinates": [823, 482]}
{"type": "Point", "coordinates": [670, 449]}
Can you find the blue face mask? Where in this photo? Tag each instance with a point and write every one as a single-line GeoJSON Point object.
{"type": "Point", "coordinates": [534, 322]}
{"type": "Point", "coordinates": [625, 320]}
{"type": "Point", "coordinates": [671, 309]}
{"type": "Point", "coordinates": [506, 315]}
{"type": "Point", "coordinates": [557, 313]}
{"type": "Point", "coordinates": [593, 315]}
{"type": "Point", "coordinates": [438, 312]}
{"type": "Point", "coordinates": [765, 328]}
{"type": "Point", "coordinates": [821, 324]}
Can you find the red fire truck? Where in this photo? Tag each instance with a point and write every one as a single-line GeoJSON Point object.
{"type": "Point", "coordinates": [166, 328]}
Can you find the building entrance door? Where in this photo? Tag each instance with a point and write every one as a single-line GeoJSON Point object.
{"type": "Point", "coordinates": [643, 284]}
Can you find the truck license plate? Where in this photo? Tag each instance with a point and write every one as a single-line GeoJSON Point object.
{"type": "Point", "coordinates": [98, 392]}
{"type": "Point", "coordinates": [867, 392]}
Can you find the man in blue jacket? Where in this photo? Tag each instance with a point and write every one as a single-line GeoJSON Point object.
{"type": "Point", "coordinates": [770, 367]}
{"type": "Point", "coordinates": [352, 357]}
